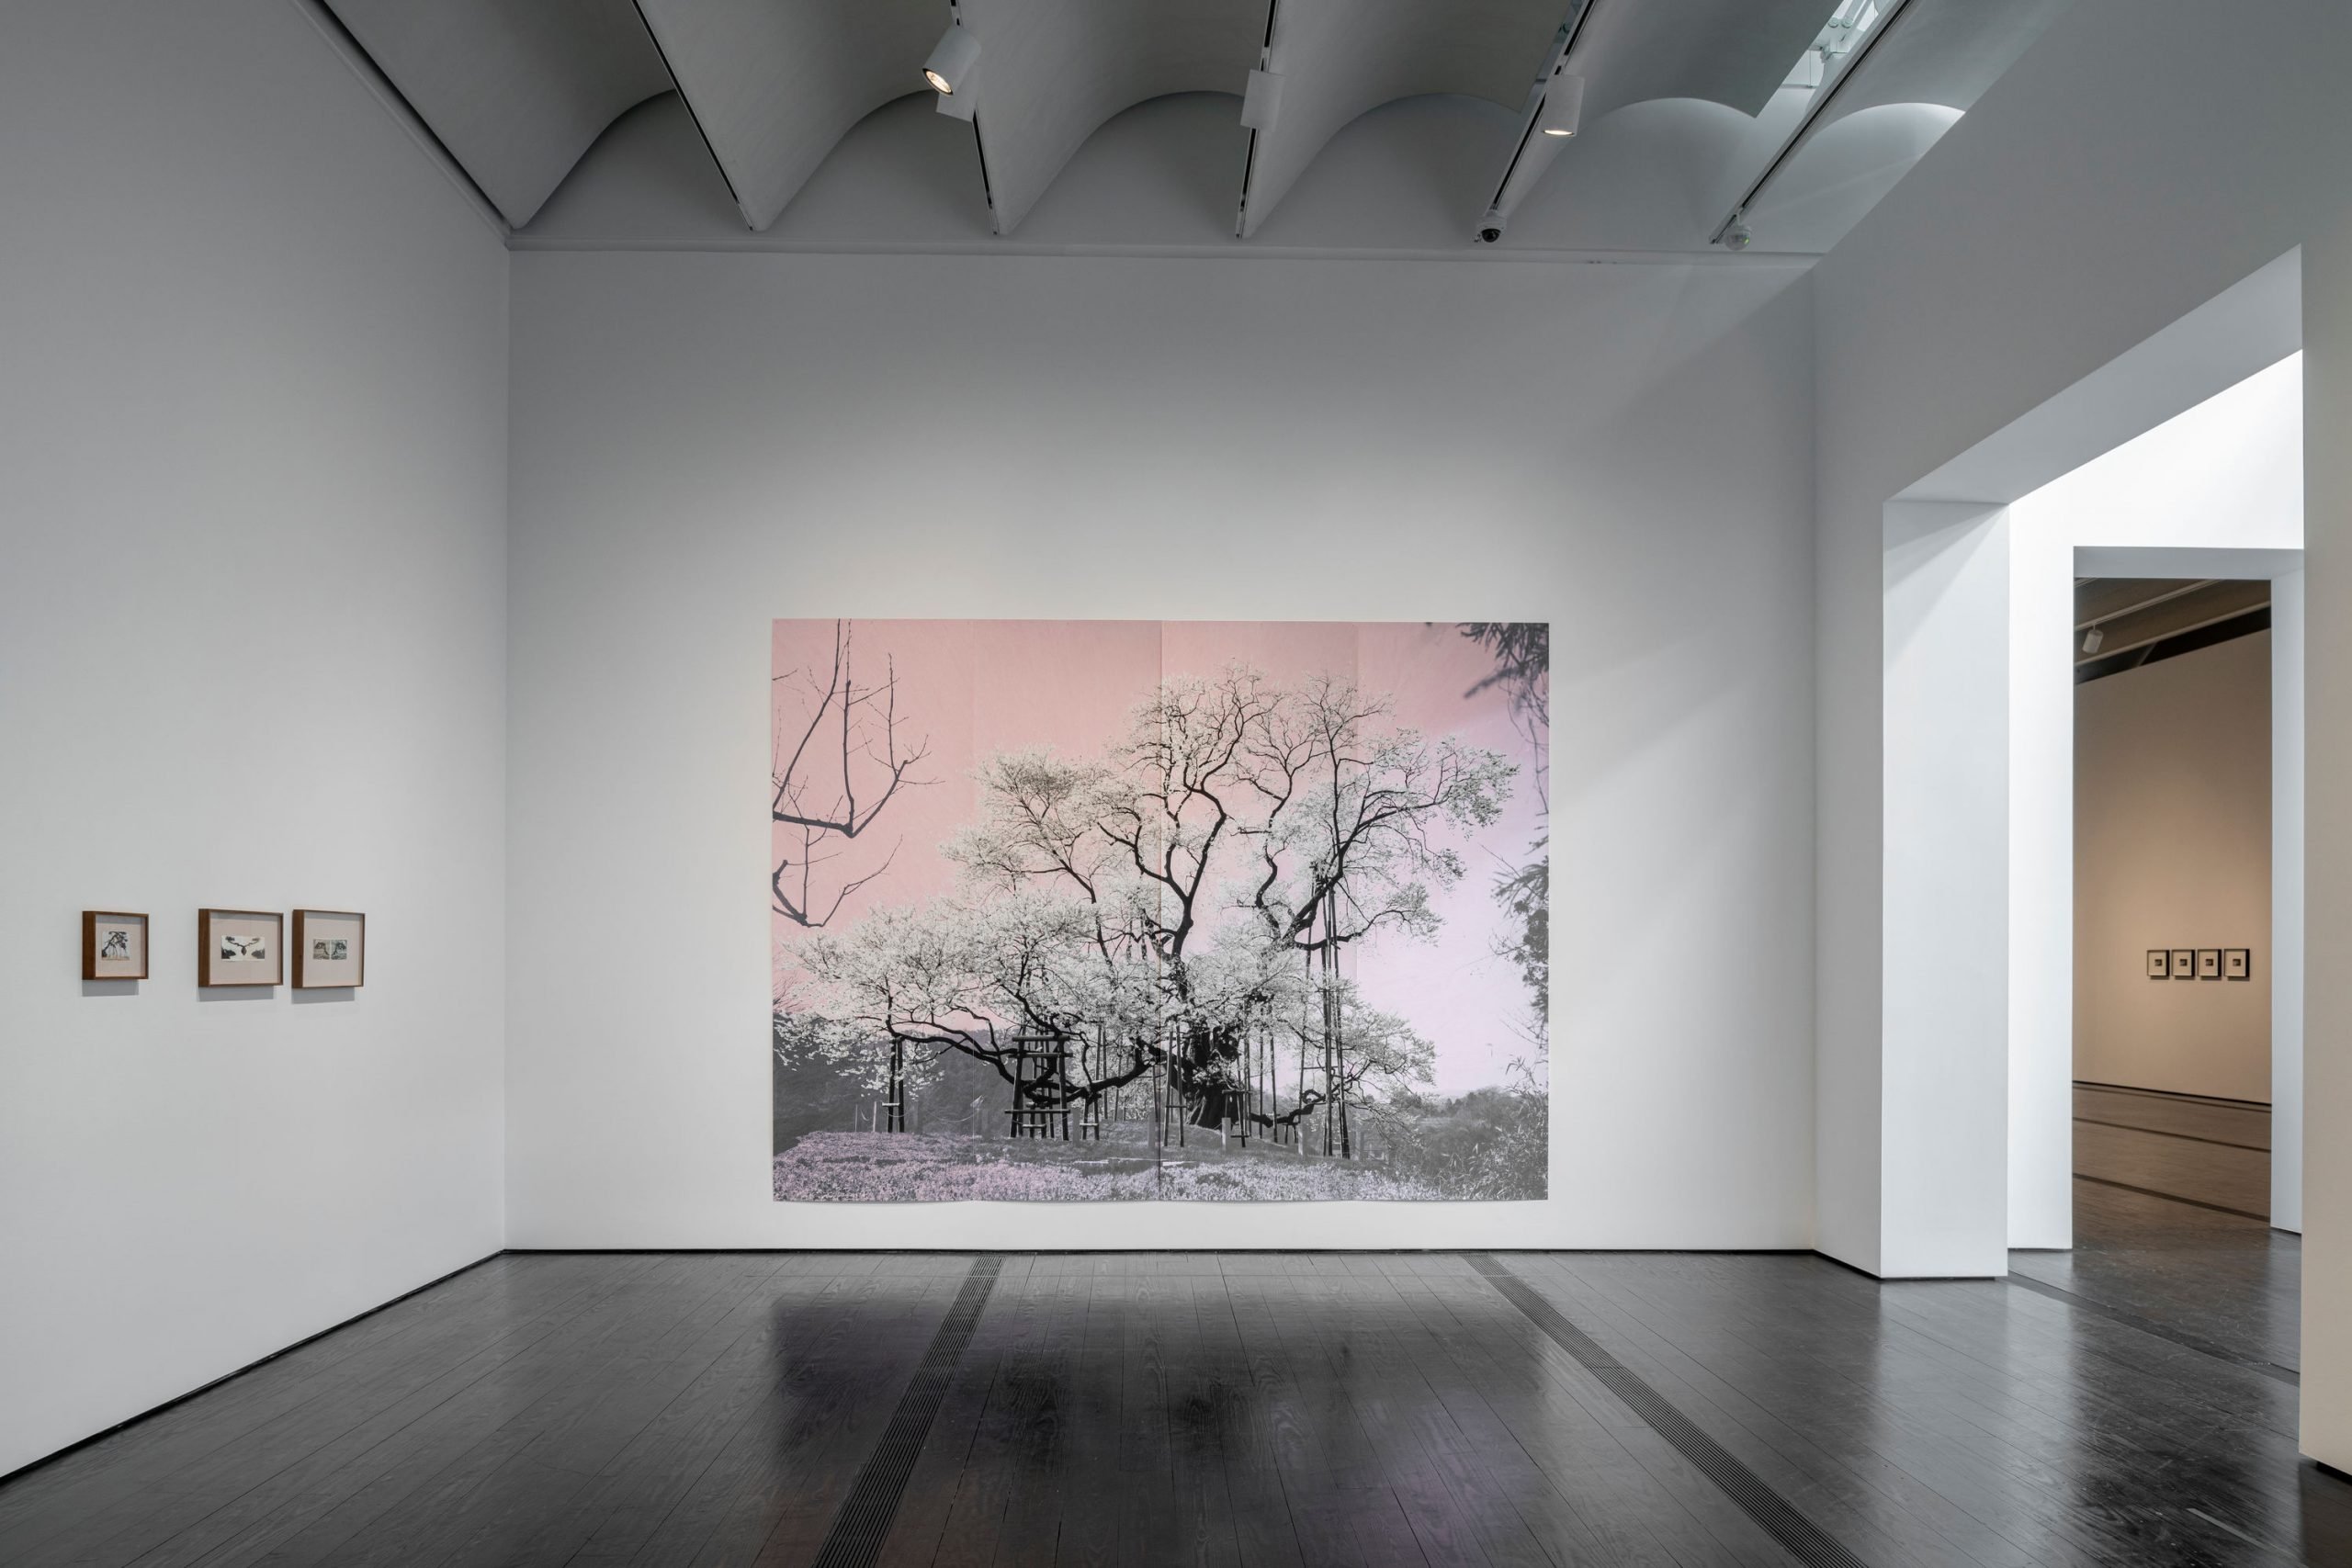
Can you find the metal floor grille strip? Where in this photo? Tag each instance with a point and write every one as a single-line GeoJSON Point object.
{"type": "Point", "coordinates": [2172, 1197]}
{"type": "Point", "coordinates": [2167, 1133]}
{"type": "Point", "coordinates": [1779, 1517]}
{"type": "Point", "coordinates": [2149, 1325]}
{"type": "Point", "coordinates": [863, 1522]}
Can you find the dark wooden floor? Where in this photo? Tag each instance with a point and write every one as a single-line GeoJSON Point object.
{"type": "Point", "coordinates": [1300, 1408]}
{"type": "Point", "coordinates": [2215, 1152]}
{"type": "Point", "coordinates": [2156, 1236]}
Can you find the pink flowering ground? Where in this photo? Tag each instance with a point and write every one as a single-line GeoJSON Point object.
{"type": "Point", "coordinates": [914, 1167]}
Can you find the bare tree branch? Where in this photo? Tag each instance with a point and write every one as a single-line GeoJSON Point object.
{"type": "Point", "coordinates": [869, 742]}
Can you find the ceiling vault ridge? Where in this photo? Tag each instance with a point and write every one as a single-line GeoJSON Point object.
{"type": "Point", "coordinates": [653, 36]}
{"type": "Point", "coordinates": [356, 59]}
{"type": "Point", "coordinates": [754, 244]}
{"type": "Point", "coordinates": [1542, 127]}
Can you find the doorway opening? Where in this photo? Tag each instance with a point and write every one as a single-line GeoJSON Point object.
{"type": "Point", "coordinates": [2173, 782]}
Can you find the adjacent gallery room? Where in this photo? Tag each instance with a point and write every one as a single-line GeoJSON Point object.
{"type": "Point", "coordinates": [1341, 782]}
{"type": "Point", "coordinates": [2173, 1096]}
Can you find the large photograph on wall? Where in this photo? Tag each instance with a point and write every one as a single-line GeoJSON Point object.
{"type": "Point", "coordinates": [1081, 910]}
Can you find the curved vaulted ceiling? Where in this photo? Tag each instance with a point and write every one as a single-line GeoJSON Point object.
{"type": "Point", "coordinates": [1734, 52]}
{"type": "Point", "coordinates": [1908, 71]}
{"type": "Point", "coordinates": [516, 89]}
{"type": "Point", "coordinates": [1338, 58]}
{"type": "Point", "coordinates": [1942, 51]}
{"type": "Point", "coordinates": [1427, 110]}
{"type": "Point", "coordinates": [1052, 71]}
{"type": "Point", "coordinates": [775, 84]}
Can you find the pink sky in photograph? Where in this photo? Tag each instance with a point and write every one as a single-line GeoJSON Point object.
{"type": "Point", "coordinates": [969, 689]}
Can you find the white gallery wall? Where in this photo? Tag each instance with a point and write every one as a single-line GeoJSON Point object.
{"type": "Point", "coordinates": [2325, 1128]}
{"type": "Point", "coordinates": [252, 654]}
{"type": "Point", "coordinates": [2289, 930]}
{"type": "Point", "coordinates": [1943, 926]}
{"type": "Point", "coordinates": [2216, 491]}
{"type": "Point", "coordinates": [2039, 240]}
{"type": "Point", "coordinates": [2172, 849]}
{"type": "Point", "coordinates": [703, 443]}
{"type": "Point", "coordinates": [256, 631]}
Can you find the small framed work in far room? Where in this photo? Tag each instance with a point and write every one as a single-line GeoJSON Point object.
{"type": "Point", "coordinates": [330, 949]}
{"type": "Point", "coordinates": [2237, 964]}
{"type": "Point", "coordinates": [114, 946]}
{"type": "Point", "coordinates": [2209, 963]}
{"type": "Point", "coordinates": [2184, 964]}
{"type": "Point", "coordinates": [240, 947]}
{"type": "Point", "coordinates": [2159, 964]}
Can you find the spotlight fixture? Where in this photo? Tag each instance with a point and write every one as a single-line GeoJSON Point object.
{"type": "Point", "coordinates": [2092, 638]}
{"type": "Point", "coordinates": [1562, 106]}
{"type": "Point", "coordinates": [950, 65]}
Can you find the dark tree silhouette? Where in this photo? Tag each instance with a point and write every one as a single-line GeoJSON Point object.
{"type": "Point", "coordinates": [850, 746]}
{"type": "Point", "coordinates": [1095, 884]}
{"type": "Point", "coordinates": [851, 740]}
{"type": "Point", "coordinates": [1523, 656]}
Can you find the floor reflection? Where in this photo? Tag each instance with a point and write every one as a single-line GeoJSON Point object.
{"type": "Point", "coordinates": [1238, 1408]}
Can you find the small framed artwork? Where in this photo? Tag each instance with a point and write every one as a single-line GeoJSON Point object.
{"type": "Point", "coordinates": [114, 946]}
{"type": "Point", "coordinates": [2159, 964]}
{"type": "Point", "coordinates": [240, 947]}
{"type": "Point", "coordinates": [330, 949]}
{"type": "Point", "coordinates": [2209, 963]}
{"type": "Point", "coordinates": [2184, 964]}
{"type": "Point", "coordinates": [2237, 964]}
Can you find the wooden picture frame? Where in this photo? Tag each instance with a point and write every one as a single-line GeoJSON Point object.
{"type": "Point", "coordinates": [2237, 964]}
{"type": "Point", "coordinates": [217, 930]}
{"type": "Point", "coordinates": [2184, 964]}
{"type": "Point", "coordinates": [316, 967]}
{"type": "Point", "coordinates": [104, 931]}
{"type": "Point", "coordinates": [2209, 963]}
{"type": "Point", "coordinates": [2160, 963]}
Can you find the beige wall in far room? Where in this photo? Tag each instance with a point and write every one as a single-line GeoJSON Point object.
{"type": "Point", "coordinates": [2172, 849]}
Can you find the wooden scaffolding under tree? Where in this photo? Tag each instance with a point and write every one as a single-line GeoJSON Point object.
{"type": "Point", "coordinates": [1041, 1086]}
{"type": "Point", "coordinates": [1048, 1102]}
{"type": "Point", "coordinates": [894, 1105]}
{"type": "Point", "coordinates": [1094, 1057]}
